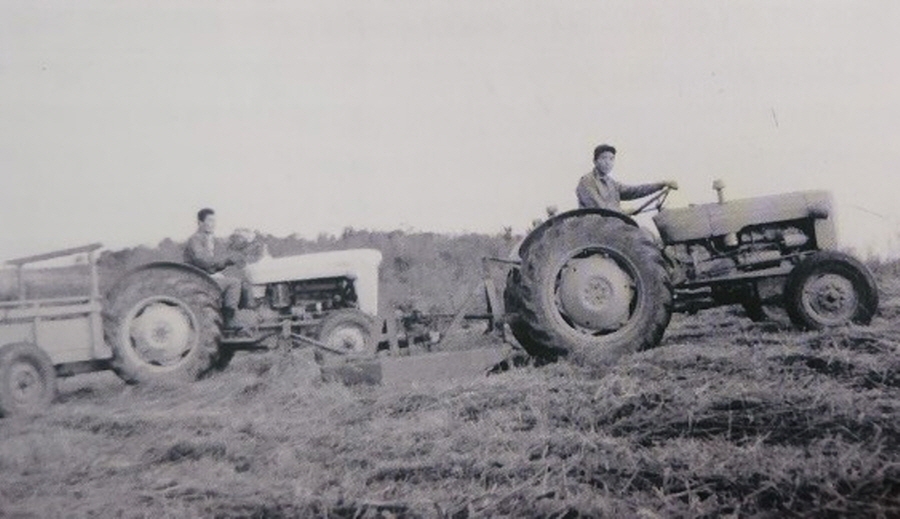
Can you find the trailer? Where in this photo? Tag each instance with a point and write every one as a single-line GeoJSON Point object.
{"type": "Point", "coordinates": [42, 338]}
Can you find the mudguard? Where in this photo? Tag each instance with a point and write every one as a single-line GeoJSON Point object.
{"type": "Point", "coordinates": [522, 248]}
{"type": "Point", "coordinates": [165, 265]}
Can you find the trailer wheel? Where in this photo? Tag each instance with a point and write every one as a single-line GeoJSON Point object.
{"type": "Point", "coordinates": [27, 380]}
{"type": "Point", "coordinates": [830, 289]}
{"type": "Point", "coordinates": [593, 289]}
{"type": "Point", "coordinates": [163, 324]}
{"type": "Point", "coordinates": [350, 331]}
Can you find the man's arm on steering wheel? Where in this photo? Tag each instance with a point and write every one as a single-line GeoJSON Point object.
{"type": "Point", "coordinates": [640, 191]}
{"type": "Point", "coordinates": [662, 190]}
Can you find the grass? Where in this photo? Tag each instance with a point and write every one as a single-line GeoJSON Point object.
{"type": "Point", "coordinates": [728, 418]}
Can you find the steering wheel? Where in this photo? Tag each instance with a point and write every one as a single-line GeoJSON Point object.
{"type": "Point", "coordinates": [654, 203]}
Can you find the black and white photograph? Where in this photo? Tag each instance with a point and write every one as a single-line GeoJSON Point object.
{"type": "Point", "coordinates": [449, 259]}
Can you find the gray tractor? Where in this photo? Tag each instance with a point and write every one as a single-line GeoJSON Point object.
{"type": "Point", "coordinates": [591, 285]}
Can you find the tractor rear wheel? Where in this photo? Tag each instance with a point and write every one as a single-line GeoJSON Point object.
{"type": "Point", "coordinates": [350, 331]}
{"type": "Point", "coordinates": [163, 324]}
{"type": "Point", "coordinates": [512, 300]}
{"type": "Point", "coordinates": [830, 289]}
{"type": "Point", "coordinates": [593, 288]}
{"type": "Point", "coordinates": [27, 380]}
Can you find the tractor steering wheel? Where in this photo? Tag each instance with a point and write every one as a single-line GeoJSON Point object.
{"type": "Point", "coordinates": [654, 203]}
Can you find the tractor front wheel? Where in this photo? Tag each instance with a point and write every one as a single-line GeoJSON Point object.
{"type": "Point", "coordinates": [350, 331]}
{"type": "Point", "coordinates": [593, 288]}
{"type": "Point", "coordinates": [830, 289]}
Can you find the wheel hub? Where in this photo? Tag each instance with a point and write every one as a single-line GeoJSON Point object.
{"type": "Point", "coordinates": [348, 338]}
{"type": "Point", "coordinates": [26, 383]}
{"type": "Point", "coordinates": [161, 333]}
{"type": "Point", "coordinates": [831, 298]}
{"type": "Point", "coordinates": [595, 293]}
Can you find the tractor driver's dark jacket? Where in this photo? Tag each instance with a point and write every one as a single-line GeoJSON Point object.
{"type": "Point", "coordinates": [200, 252]}
{"type": "Point", "coordinates": [596, 191]}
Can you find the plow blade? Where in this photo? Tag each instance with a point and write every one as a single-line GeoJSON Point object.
{"type": "Point", "coordinates": [424, 368]}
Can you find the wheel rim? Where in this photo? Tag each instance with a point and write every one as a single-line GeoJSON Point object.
{"type": "Point", "coordinates": [348, 338]}
{"type": "Point", "coordinates": [27, 386]}
{"type": "Point", "coordinates": [595, 292]}
{"type": "Point", "coordinates": [161, 331]}
{"type": "Point", "coordinates": [830, 299]}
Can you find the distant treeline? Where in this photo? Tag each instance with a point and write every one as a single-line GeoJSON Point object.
{"type": "Point", "coordinates": [422, 270]}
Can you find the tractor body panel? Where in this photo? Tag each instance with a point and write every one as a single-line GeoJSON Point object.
{"type": "Point", "coordinates": [742, 251]}
{"type": "Point", "coordinates": [360, 266]}
{"type": "Point", "coordinates": [710, 220]}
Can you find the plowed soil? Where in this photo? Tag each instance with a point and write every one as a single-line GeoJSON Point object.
{"type": "Point", "coordinates": [726, 418]}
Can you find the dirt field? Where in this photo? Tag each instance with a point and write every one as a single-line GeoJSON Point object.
{"type": "Point", "coordinates": [727, 417]}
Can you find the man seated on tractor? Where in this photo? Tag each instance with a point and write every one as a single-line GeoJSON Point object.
{"type": "Point", "coordinates": [201, 252]}
{"type": "Point", "coordinates": [597, 190]}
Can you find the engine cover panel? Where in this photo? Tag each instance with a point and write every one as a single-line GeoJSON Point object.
{"type": "Point", "coordinates": [360, 265]}
{"type": "Point", "coordinates": [707, 220]}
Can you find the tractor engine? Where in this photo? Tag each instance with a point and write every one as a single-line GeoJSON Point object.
{"type": "Point", "coordinates": [726, 239]}
{"type": "Point", "coordinates": [303, 297]}
{"type": "Point", "coordinates": [316, 283]}
{"type": "Point", "coordinates": [753, 248]}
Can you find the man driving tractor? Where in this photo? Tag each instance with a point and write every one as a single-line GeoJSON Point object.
{"type": "Point", "coordinates": [596, 190]}
{"type": "Point", "coordinates": [200, 252]}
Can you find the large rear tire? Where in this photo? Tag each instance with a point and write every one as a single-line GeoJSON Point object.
{"type": "Point", "coordinates": [593, 288]}
{"type": "Point", "coordinates": [27, 380]}
{"type": "Point", "coordinates": [830, 289]}
{"type": "Point", "coordinates": [512, 300]}
{"type": "Point", "coordinates": [350, 331]}
{"type": "Point", "coordinates": [163, 325]}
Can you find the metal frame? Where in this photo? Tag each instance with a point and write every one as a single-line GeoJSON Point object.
{"type": "Point", "coordinates": [389, 326]}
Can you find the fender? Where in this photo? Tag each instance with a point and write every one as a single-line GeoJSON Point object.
{"type": "Point", "coordinates": [184, 267]}
{"type": "Point", "coordinates": [575, 213]}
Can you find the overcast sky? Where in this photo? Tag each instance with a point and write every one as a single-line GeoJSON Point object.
{"type": "Point", "coordinates": [118, 120]}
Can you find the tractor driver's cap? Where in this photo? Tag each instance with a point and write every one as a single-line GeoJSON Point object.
{"type": "Point", "coordinates": [602, 149]}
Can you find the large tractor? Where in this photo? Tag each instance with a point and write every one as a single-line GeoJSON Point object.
{"type": "Point", "coordinates": [591, 285]}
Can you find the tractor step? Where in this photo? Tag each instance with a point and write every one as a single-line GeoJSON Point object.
{"type": "Point", "coordinates": [241, 341]}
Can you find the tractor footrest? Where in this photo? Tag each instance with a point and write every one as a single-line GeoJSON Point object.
{"type": "Point", "coordinates": [241, 341]}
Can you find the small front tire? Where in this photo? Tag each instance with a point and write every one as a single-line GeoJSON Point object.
{"type": "Point", "coordinates": [830, 289]}
{"type": "Point", "coordinates": [350, 331]}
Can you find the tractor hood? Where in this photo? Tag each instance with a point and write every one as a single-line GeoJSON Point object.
{"type": "Point", "coordinates": [707, 220]}
{"type": "Point", "coordinates": [360, 265]}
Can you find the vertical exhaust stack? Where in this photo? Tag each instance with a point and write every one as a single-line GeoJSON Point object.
{"type": "Point", "coordinates": [730, 239]}
{"type": "Point", "coordinates": [719, 186]}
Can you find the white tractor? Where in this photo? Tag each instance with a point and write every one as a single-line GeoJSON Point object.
{"type": "Point", "coordinates": [163, 320]}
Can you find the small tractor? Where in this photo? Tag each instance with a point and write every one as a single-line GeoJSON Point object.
{"type": "Point", "coordinates": [162, 322]}
{"type": "Point", "coordinates": [591, 285]}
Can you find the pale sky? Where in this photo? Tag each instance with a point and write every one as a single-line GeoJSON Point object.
{"type": "Point", "coordinates": [119, 120]}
